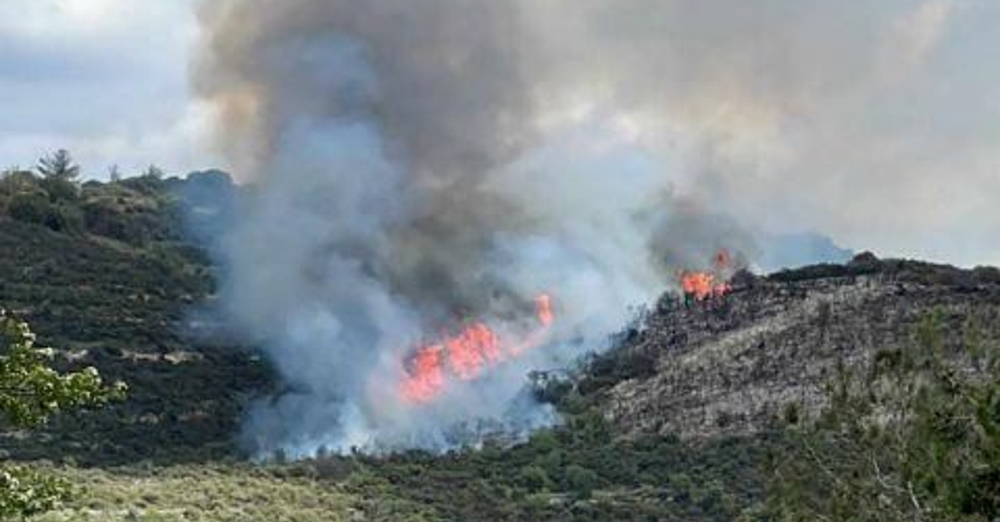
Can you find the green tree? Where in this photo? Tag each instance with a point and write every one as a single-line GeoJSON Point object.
{"type": "Point", "coordinates": [30, 392]}
{"type": "Point", "coordinates": [916, 439]}
{"type": "Point", "coordinates": [581, 481]}
{"type": "Point", "coordinates": [154, 172]}
{"type": "Point", "coordinates": [58, 165]}
{"type": "Point", "coordinates": [534, 479]}
{"type": "Point", "coordinates": [114, 174]}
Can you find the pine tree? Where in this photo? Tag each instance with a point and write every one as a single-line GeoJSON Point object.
{"type": "Point", "coordinates": [58, 165]}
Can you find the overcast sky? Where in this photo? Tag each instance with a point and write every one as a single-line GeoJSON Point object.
{"type": "Point", "coordinates": [106, 79]}
{"type": "Point", "coordinates": [109, 80]}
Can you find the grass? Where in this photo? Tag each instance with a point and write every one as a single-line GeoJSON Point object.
{"type": "Point", "coordinates": [203, 493]}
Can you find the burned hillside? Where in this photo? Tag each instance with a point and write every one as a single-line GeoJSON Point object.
{"type": "Point", "coordinates": [731, 365]}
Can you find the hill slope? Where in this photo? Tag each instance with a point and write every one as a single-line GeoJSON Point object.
{"type": "Point", "coordinates": [733, 365]}
{"type": "Point", "coordinates": [109, 277]}
{"type": "Point", "coordinates": [115, 291]}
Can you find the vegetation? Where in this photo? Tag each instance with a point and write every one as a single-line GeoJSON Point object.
{"type": "Point", "coordinates": [918, 439]}
{"type": "Point", "coordinates": [59, 165]}
{"type": "Point", "coordinates": [30, 392]}
{"type": "Point", "coordinates": [217, 492]}
{"type": "Point", "coordinates": [109, 273]}
{"type": "Point", "coordinates": [575, 472]}
{"type": "Point", "coordinates": [116, 292]}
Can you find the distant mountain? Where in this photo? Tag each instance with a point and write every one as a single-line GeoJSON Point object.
{"type": "Point", "coordinates": [779, 251]}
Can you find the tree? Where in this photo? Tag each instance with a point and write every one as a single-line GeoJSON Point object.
{"type": "Point", "coordinates": [916, 439]}
{"type": "Point", "coordinates": [154, 172]}
{"type": "Point", "coordinates": [581, 481]}
{"type": "Point", "coordinates": [30, 392]}
{"type": "Point", "coordinates": [534, 479]}
{"type": "Point", "coordinates": [114, 174]}
{"type": "Point", "coordinates": [58, 165]}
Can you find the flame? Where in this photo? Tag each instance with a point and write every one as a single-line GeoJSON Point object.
{"type": "Point", "coordinates": [467, 354]}
{"type": "Point", "coordinates": [543, 308]}
{"type": "Point", "coordinates": [426, 378]}
{"type": "Point", "coordinates": [703, 285]}
{"type": "Point", "coordinates": [722, 260]}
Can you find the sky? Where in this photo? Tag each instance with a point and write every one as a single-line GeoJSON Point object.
{"type": "Point", "coordinates": [879, 124]}
{"type": "Point", "coordinates": [105, 79]}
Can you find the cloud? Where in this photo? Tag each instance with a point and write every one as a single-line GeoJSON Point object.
{"type": "Point", "coordinates": [918, 32]}
{"type": "Point", "coordinates": [873, 121]}
{"type": "Point", "coordinates": [106, 79]}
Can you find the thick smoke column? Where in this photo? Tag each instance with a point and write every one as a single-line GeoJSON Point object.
{"type": "Point", "coordinates": [418, 162]}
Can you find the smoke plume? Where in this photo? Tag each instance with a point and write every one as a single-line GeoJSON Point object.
{"type": "Point", "coordinates": [419, 163]}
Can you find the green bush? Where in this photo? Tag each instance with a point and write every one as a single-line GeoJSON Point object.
{"type": "Point", "coordinates": [534, 479]}
{"type": "Point", "coordinates": [581, 481]}
{"type": "Point", "coordinates": [29, 207]}
{"type": "Point", "coordinates": [60, 189]}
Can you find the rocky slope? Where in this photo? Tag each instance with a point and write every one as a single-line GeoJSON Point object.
{"type": "Point", "coordinates": [729, 366]}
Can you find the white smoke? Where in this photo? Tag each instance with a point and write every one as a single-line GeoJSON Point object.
{"type": "Point", "coordinates": [418, 162]}
{"type": "Point", "coordinates": [308, 278]}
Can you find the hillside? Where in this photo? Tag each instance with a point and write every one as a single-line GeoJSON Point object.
{"type": "Point", "coordinates": [114, 290]}
{"type": "Point", "coordinates": [676, 422]}
{"type": "Point", "coordinates": [732, 366]}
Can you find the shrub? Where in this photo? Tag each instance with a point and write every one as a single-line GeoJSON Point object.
{"type": "Point", "coordinates": [60, 189]}
{"type": "Point", "coordinates": [580, 480]}
{"type": "Point", "coordinates": [30, 207]}
{"type": "Point", "coordinates": [534, 479]}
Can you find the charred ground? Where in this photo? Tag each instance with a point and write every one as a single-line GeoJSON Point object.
{"type": "Point", "coordinates": [731, 366]}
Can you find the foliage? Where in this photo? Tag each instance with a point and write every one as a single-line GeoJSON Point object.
{"type": "Point", "coordinates": [24, 491]}
{"type": "Point", "coordinates": [30, 392]}
{"type": "Point", "coordinates": [581, 480]}
{"type": "Point", "coordinates": [136, 210]}
{"type": "Point", "coordinates": [60, 189]}
{"type": "Point", "coordinates": [113, 289]}
{"type": "Point", "coordinates": [58, 165]}
{"type": "Point", "coordinates": [209, 492]}
{"type": "Point", "coordinates": [154, 172]}
{"type": "Point", "coordinates": [572, 472]}
{"type": "Point", "coordinates": [918, 438]}
{"type": "Point", "coordinates": [29, 207]}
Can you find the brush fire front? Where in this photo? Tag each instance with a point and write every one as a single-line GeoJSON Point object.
{"type": "Point", "coordinates": [476, 348]}
{"type": "Point", "coordinates": [708, 284]}
{"type": "Point", "coordinates": [467, 354]}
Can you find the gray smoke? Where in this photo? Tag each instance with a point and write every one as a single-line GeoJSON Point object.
{"type": "Point", "coordinates": [418, 162]}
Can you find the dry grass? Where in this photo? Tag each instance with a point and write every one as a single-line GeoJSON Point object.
{"type": "Point", "coordinates": [200, 493]}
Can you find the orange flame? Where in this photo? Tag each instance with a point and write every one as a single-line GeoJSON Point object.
{"type": "Point", "coordinates": [467, 354]}
{"type": "Point", "coordinates": [543, 308]}
{"type": "Point", "coordinates": [703, 285]}
{"type": "Point", "coordinates": [426, 378]}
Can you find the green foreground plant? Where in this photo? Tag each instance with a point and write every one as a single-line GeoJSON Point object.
{"type": "Point", "coordinates": [30, 392]}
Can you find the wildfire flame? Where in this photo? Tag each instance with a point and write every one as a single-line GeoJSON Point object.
{"type": "Point", "coordinates": [703, 285]}
{"type": "Point", "coordinates": [467, 354]}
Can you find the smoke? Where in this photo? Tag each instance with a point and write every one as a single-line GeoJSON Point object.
{"type": "Point", "coordinates": [418, 162]}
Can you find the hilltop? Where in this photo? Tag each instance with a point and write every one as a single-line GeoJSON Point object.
{"type": "Point", "coordinates": [731, 366]}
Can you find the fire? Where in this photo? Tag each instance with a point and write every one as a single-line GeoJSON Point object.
{"type": "Point", "coordinates": [543, 308]}
{"type": "Point", "coordinates": [467, 354]}
{"type": "Point", "coordinates": [426, 375]}
{"type": "Point", "coordinates": [703, 285]}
